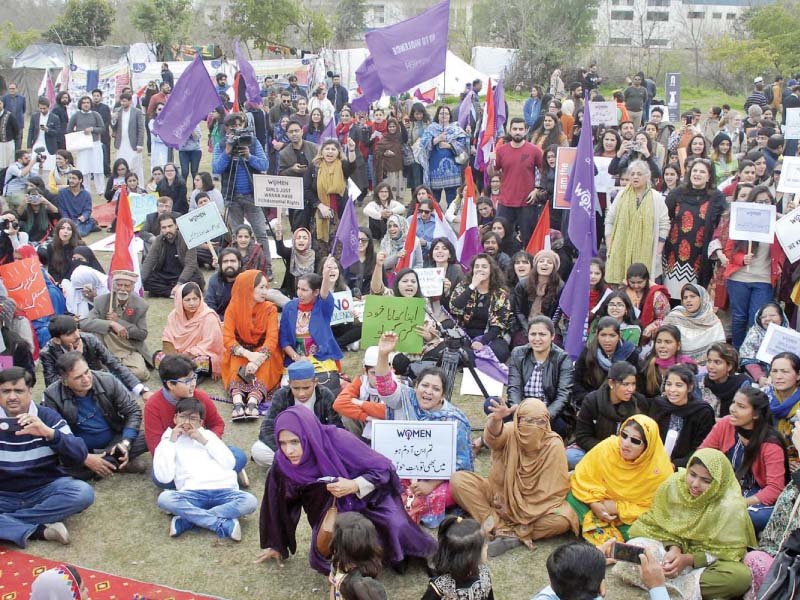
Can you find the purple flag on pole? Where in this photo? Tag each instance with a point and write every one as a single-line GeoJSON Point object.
{"type": "Point", "coordinates": [347, 234]}
{"type": "Point", "coordinates": [370, 84]}
{"type": "Point", "coordinates": [580, 191]}
{"type": "Point", "coordinates": [329, 133]}
{"type": "Point", "coordinates": [500, 106]}
{"type": "Point", "coordinates": [252, 89]}
{"type": "Point", "coordinates": [465, 110]}
{"type": "Point", "coordinates": [412, 51]}
{"type": "Point", "coordinates": [189, 103]}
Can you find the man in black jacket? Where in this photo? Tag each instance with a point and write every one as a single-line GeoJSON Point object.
{"type": "Point", "coordinates": [99, 410]}
{"type": "Point", "coordinates": [104, 111]}
{"type": "Point", "coordinates": [302, 390]}
{"type": "Point", "coordinates": [170, 261]}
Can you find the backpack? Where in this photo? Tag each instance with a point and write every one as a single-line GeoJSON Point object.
{"type": "Point", "coordinates": [783, 578]}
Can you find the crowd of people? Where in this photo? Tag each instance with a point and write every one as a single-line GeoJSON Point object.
{"type": "Point", "coordinates": [669, 429]}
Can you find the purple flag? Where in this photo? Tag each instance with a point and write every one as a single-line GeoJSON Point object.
{"type": "Point", "coordinates": [580, 190]}
{"type": "Point", "coordinates": [370, 84]}
{"type": "Point", "coordinates": [500, 106]}
{"type": "Point", "coordinates": [189, 103]}
{"type": "Point", "coordinates": [252, 89]}
{"type": "Point", "coordinates": [347, 235]}
{"type": "Point", "coordinates": [329, 133]}
{"type": "Point", "coordinates": [412, 51]}
{"type": "Point", "coordinates": [465, 110]}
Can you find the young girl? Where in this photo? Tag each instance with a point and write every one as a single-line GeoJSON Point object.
{"type": "Point", "coordinates": [356, 556]}
{"type": "Point", "coordinates": [618, 305]}
{"type": "Point", "coordinates": [460, 563]}
{"type": "Point", "coordinates": [597, 280]}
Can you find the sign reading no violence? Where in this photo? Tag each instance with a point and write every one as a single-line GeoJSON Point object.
{"type": "Point", "coordinates": [278, 191]}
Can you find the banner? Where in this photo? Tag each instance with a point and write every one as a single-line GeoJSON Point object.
{"type": "Point", "coordinates": [673, 91]}
{"type": "Point", "coordinates": [565, 158]}
{"type": "Point", "coordinates": [401, 315]}
{"type": "Point", "coordinates": [431, 281]}
{"type": "Point", "coordinates": [603, 180]}
{"type": "Point", "coordinates": [790, 176]}
{"type": "Point", "coordinates": [604, 113]}
{"type": "Point", "coordinates": [278, 191]}
{"type": "Point", "coordinates": [752, 222]}
{"type": "Point", "coordinates": [201, 225]}
{"type": "Point", "coordinates": [418, 449]}
{"type": "Point", "coordinates": [342, 305]}
{"type": "Point", "coordinates": [25, 285]}
{"type": "Point", "coordinates": [787, 230]}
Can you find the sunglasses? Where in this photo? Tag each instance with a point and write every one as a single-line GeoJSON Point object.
{"type": "Point", "coordinates": [635, 441]}
{"type": "Point", "coordinates": [425, 212]}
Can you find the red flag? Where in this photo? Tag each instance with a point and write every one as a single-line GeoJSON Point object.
{"type": "Point", "coordinates": [123, 255]}
{"type": "Point", "coordinates": [428, 97]}
{"type": "Point", "coordinates": [489, 118]}
{"type": "Point", "coordinates": [235, 93]}
{"type": "Point", "coordinates": [540, 240]}
{"type": "Point", "coordinates": [411, 240]}
{"type": "Point", "coordinates": [468, 193]}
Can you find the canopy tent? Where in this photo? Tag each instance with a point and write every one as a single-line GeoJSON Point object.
{"type": "Point", "coordinates": [495, 61]}
{"type": "Point", "coordinates": [55, 56]}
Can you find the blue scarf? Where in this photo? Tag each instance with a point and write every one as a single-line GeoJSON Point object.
{"type": "Point", "coordinates": [780, 409]}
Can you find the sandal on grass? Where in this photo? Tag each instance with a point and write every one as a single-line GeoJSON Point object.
{"type": "Point", "coordinates": [238, 413]}
{"type": "Point", "coordinates": [251, 410]}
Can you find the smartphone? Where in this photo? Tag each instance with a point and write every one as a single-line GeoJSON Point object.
{"type": "Point", "coordinates": [327, 480]}
{"type": "Point", "coordinates": [627, 552]}
{"type": "Point", "coordinates": [688, 120]}
{"type": "Point", "coordinates": [9, 425]}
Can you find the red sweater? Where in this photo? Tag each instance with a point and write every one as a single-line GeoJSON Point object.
{"type": "Point", "coordinates": [159, 414]}
{"type": "Point", "coordinates": [769, 469]}
{"type": "Point", "coordinates": [736, 260]}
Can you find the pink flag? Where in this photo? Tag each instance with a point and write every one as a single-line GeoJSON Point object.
{"type": "Point", "coordinates": [46, 88]}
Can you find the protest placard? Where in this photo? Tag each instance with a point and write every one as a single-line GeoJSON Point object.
{"type": "Point", "coordinates": [401, 315]}
{"type": "Point", "coordinates": [603, 180]}
{"type": "Point", "coordinates": [565, 158]}
{"type": "Point", "coordinates": [431, 281]}
{"type": "Point", "coordinates": [25, 284]}
{"type": "Point", "coordinates": [278, 191]}
{"type": "Point", "coordinates": [342, 307]}
{"type": "Point", "coordinates": [201, 225]}
{"type": "Point", "coordinates": [604, 113]}
{"type": "Point", "coordinates": [418, 449]}
{"type": "Point", "coordinates": [790, 175]}
{"type": "Point", "coordinates": [78, 140]}
{"type": "Point", "coordinates": [778, 339]}
{"type": "Point", "coordinates": [792, 128]}
{"type": "Point", "coordinates": [752, 222]}
{"type": "Point", "coordinates": [141, 206]}
{"type": "Point", "coordinates": [469, 387]}
{"type": "Point", "coordinates": [787, 231]}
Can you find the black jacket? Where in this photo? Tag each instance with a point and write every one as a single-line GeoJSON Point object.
{"type": "Point", "coordinates": [50, 136]}
{"type": "Point", "coordinates": [588, 379]}
{"type": "Point", "coordinates": [116, 403]}
{"type": "Point", "coordinates": [599, 419]}
{"type": "Point", "coordinates": [283, 399]}
{"type": "Point", "coordinates": [557, 375]}
{"type": "Point", "coordinates": [176, 191]}
{"type": "Point", "coordinates": [698, 420]}
{"type": "Point", "coordinates": [521, 304]}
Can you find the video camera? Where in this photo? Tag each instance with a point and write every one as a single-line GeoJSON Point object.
{"type": "Point", "coordinates": [41, 153]}
{"type": "Point", "coordinates": [240, 139]}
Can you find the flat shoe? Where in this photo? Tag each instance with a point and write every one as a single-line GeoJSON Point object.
{"type": "Point", "coordinates": [502, 544]}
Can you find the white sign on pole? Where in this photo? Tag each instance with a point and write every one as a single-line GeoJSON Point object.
{"type": "Point", "coordinates": [778, 339]}
{"type": "Point", "coordinates": [752, 222]}
{"type": "Point", "coordinates": [787, 231]}
{"type": "Point", "coordinates": [201, 225]}
{"type": "Point", "coordinates": [604, 113]}
{"type": "Point", "coordinates": [342, 307]}
{"type": "Point", "coordinates": [603, 180]}
{"type": "Point", "coordinates": [792, 128]}
{"type": "Point", "coordinates": [431, 281]}
{"type": "Point", "coordinates": [278, 191]}
{"type": "Point", "coordinates": [418, 449]}
{"type": "Point", "coordinates": [790, 175]}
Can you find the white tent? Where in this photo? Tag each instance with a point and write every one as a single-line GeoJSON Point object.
{"type": "Point", "coordinates": [495, 61]}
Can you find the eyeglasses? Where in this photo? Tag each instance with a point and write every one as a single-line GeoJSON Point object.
{"type": "Point", "coordinates": [185, 381]}
{"type": "Point", "coordinates": [363, 240]}
{"type": "Point", "coordinates": [189, 418]}
{"type": "Point", "coordinates": [633, 440]}
{"type": "Point", "coordinates": [425, 212]}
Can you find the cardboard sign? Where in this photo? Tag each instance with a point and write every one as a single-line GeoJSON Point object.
{"type": "Point", "coordinates": [25, 284]}
{"type": "Point", "coordinates": [431, 281]}
{"type": "Point", "coordinates": [792, 128]}
{"type": "Point", "coordinates": [752, 222]}
{"type": "Point", "coordinates": [418, 449]}
{"type": "Point", "coordinates": [790, 175]}
{"type": "Point", "coordinates": [141, 206]}
{"type": "Point", "coordinates": [672, 86]}
{"type": "Point", "coordinates": [565, 158]}
{"type": "Point", "coordinates": [778, 339]}
{"type": "Point", "coordinates": [603, 180]}
{"type": "Point", "coordinates": [201, 225]}
{"type": "Point", "coordinates": [278, 191]}
{"type": "Point", "coordinates": [78, 140]}
{"type": "Point", "coordinates": [342, 308]}
{"type": "Point", "coordinates": [604, 113]}
{"type": "Point", "coordinates": [787, 230]}
{"type": "Point", "coordinates": [401, 315]}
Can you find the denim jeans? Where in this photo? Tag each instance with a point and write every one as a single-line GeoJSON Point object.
{"type": "Point", "coordinates": [243, 206]}
{"type": "Point", "coordinates": [22, 512]}
{"type": "Point", "coordinates": [209, 509]}
{"type": "Point", "coordinates": [240, 461]}
{"type": "Point", "coordinates": [85, 227]}
{"type": "Point", "coordinates": [190, 159]}
{"type": "Point", "coordinates": [574, 456]}
{"type": "Point", "coordinates": [745, 299]}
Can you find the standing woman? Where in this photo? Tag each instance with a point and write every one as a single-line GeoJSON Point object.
{"type": "Point", "coordinates": [159, 151]}
{"type": "Point", "coordinates": [670, 178]}
{"type": "Point", "coordinates": [420, 119]}
{"type": "Point", "coordinates": [549, 133]}
{"type": "Point", "coordinates": [699, 325]}
{"type": "Point", "coordinates": [659, 151]}
{"type": "Point", "coordinates": [694, 210]}
{"type": "Point", "coordinates": [640, 148]}
{"type": "Point", "coordinates": [9, 130]}
{"type": "Point", "coordinates": [442, 149]}
{"type": "Point", "coordinates": [358, 274]}
{"type": "Point", "coordinates": [382, 206]}
{"type": "Point", "coordinates": [725, 163]}
{"type": "Point", "coordinates": [388, 153]}
{"type": "Point", "coordinates": [313, 131]}
{"type": "Point", "coordinates": [175, 187]}
{"type": "Point", "coordinates": [89, 161]}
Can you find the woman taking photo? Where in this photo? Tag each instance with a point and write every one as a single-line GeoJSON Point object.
{"type": "Point", "coordinates": [639, 149]}
{"type": "Point", "coordinates": [699, 325]}
{"type": "Point", "coordinates": [721, 381]}
{"type": "Point", "coordinates": [549, 133]}
{"type": "Point", "coordinates": [440, 152]}
{"type": "Point", "coordinates": [67, 250]}
{"type": "Point", "coordinates": [382, 206]}
{"type": "Point", "coordinates": [539, 293]}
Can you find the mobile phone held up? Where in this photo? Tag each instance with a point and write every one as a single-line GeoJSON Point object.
{"type": "Point", "coordinates": [627, 552]}
{"type": "Point", "coordinates": [9, 425]}
{"type": "Point", "coordinates": [327, 480]}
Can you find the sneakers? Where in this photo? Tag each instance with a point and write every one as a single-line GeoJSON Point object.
{"type": "Point", "coordinates": [229, 528]}
{"type": "Point", "coordinates": [178, 525]}
{"type": "Point", "coordinates": [56, 532]}
{"type": "Point", "coordinates": [236, 531]}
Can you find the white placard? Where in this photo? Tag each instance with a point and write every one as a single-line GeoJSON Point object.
{"type": "Point", "coordinates": [77, 141]}
{"type": "Point", "coordinates": [431, 281]}
{"type": "Point", "coordinates": [604, 113]}
{"type": "Point", "coordinates": [790, 175]}
{"type": "Point", "coordinates": [791, 130]}
{"type": "Point", "coordinates": [278, 191]}
{"type": "Point", "coordinates": [201, 225]}
{"type": "Point", "coordinates": [418, 449]}
{"type": "Point", "coordinates": [469, 387]}
{"type": "Point", "coordinates": [342, 307]}
{"type": "Point", "coordinates": [778, 339]}
{"type": "Point", "coordinates": [752, 222]}
{"type": "Point", "coordinates": [604, 180]}
{"type": "Point", "coordinates": [787, 230]}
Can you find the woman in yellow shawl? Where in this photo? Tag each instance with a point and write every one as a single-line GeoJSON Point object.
{"type": "Point", "coordinates": [617, 479]}
{"type": "Point", "coordinates": [524, 498]}
{"type": "Point", "coordinates": [699, 528]}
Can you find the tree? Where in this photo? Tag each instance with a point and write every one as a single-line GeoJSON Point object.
{"type": "Point", "coordinates": [84, 23]}
{"type": "Point", "coordinates": [17, 40]}
{"type": "Point", "coordinates": [163, 22]}
{"type": "Point", "coordinates": [264, 22]}
{"type": "Point", "coordinates": [317, 32]}
{"type": "Point", "coordinates": [349, 21]}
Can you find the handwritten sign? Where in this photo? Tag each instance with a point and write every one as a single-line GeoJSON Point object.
{"type": "Point", "coordinates": [431, 281]}
{"type": "Point", "coordinates": [141, 206]}
{"type": "Point", "coordinates": [25, 284]}
{"type": "Point", "coordinates": [342, 308]}
{"type": "Point", "coordinates": [790, 175]}
{"type": "Point", "coordinates": [418, 449]}
{"type": "Point", "coordinates": [201, 225]}
{"type": "Point", "coordinates": [752, 222]}
{"type": "Point", "coordinates": [787, 231]}
{"type": "Point", "coordinates": [565, 158]}
{"type": "Point", "coordinates": [604, 113]}
{"type": "Point", "coordinates": [401, 315]}
{"type": "Point", "coordinates": [778, 339]}
{"type": "Point", "coordinates": [792, 127]}
{"type": "Point", "coordinates": [278, 191]}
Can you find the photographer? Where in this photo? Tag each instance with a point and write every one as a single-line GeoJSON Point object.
{"type": "Point", "coordinates": [639, 148]}
{"type": "Point", "coordinates": [10, 236]}
{"type": "Point", "coordinates": [17, 174]}
{"type": "Point", "coordinates": [35, 211]}
{"type": "Point", "coordinates": [237, 158]}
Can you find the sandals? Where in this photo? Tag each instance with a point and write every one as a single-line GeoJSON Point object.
{"type": "Point", "coordinates": [239, 412]}
{"type": "Point", "coordinates": [251, 410]}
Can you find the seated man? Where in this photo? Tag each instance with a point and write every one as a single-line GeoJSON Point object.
{"type": "Point", "coordinates": [359, 403]}
{"type": "Point", "coordinates": [66, 337]}
{"type": "Point", "coordinates": [35, 493]}
{"type": "Point", "coordinates": [170, 261]}
{"type": "Point", "coordinates": [218, 293]}
{"type": "Point", "coordinates": [100, 411]}
{"type": "Point", "coordinates": [301, 391]}
{"type": "Point", "coordinates": [201, 466]}
{"type": "Point", "coordinates": [151, 229]}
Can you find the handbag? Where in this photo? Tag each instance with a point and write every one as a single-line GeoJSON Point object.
{"type": "Point", "coordinates": [408, 156]}
{"type": "Point", "coordinates": [325, 533]}
{"type": "Point", "coordinates": [462, 158]}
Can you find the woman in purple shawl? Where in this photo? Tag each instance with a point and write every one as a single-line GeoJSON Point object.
{"type": "Point", "coordinates": [367, 483]}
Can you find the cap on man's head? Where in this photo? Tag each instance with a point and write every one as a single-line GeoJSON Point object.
{"type": "Point", "coordinates": [758, 79]}
{"type": "Point", "coordinates": [301, 369]}
{"type": "Point", "coordinates": [122, 275]}
{"type": "Point", "coordinates": [371, 356]}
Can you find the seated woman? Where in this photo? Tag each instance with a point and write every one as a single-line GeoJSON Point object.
{"type": "Point", "coordinates": [346, 334]}
{"type": "Point", "coordinates": [117, 179]}
{"type": "Point", "coordinates": [538, 294]}
{"type": "Point", "coordinates": [366, 482]}
{"type": "Point", "coordinates": [521, 267]}
{"type": "Point", "coordinates": [253, 255]}
{"type": "Point", "coordinates": [425, 499]}
{"type": "Point", "coordinates": [524, 497]}
{"type": "Point", "coordinates": [605, 349]}
{"type": "Point", "coordinates": [784, 394]}
{"type": "Point", "coordinates": [618, 306]}
{"type": "Point", "coordinates": [15, 348]}
{"type": "Point", "coordinates": [486, 214]}
{"type": "Point", "coordinates": [771, 312]}
{"type": "Point", "coordinates": [604, 410]}
{"type": "Point", "coordinates": [481, 305]}
{"type": "Point", "coordinates": [650, 301]}
{"type": "Point", "coordinates": [784, 518]}
{"type": "Point", "coordinates": [665, 353]}
{"type": "Point", "coordinates": [58, 176]}
{"type": "Point", "coordinates": [305, 332]}
{"type": "Point", "coordinates": [616, 481]}
{"type": "Point", "coordinates": [756, 451]}
{"type": "Point", "coordinates": [393, 246]}
{"type": "Point", "coordinates": [721, 381]}
{"type": "Point", "coordinates": [684, 419]}
{"type": "Point", "coordinates": [194, 329]}
{"type": "Point", "coordinates": [699, 530]}
{"type": "Point", "coordinates": [251, 366]}
{"type": "Point", "coordinates": [698, 323]}
{"type": "Point", "coordinates": [35, 211]}
{"type": "Point", "coordinates": [443, 256]}
{"type": "Point", "coordinates": [67, 250]}
{"type": "Point", "coordinates": [382, 207]}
